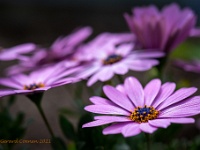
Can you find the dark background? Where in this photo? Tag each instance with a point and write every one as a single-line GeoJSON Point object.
{"type": "Point", "coordinates": [42, 21]}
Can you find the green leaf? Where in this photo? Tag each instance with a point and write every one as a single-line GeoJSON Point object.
{"type": "Point", "coordinates": [58, 144]}
{"type": "Point", "coordinates": [67, 128]}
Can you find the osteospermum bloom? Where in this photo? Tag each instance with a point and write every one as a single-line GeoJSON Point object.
{"type": "Point", "coordinates": [132, 109]}
{"type": "Point", "coordinates": [162, 30]}
{"type": "Point", "coordinates": [17, 52]}
{"type": "Point", "coordinates": [190, 65]}
{"type": "Point", "coordinates": [62, 49]}
{"type": "Point", "coordinates": [37, 81]}
{"type": "Point", "coordinates": [108, 58]}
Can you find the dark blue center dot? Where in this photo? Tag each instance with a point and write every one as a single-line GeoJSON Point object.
{"type": "Point", "coordinates": [111, 59]}
{"type": "Point", "coordinates": [143, 114]}
{"type": "Point", "coordinates": [33, 86]}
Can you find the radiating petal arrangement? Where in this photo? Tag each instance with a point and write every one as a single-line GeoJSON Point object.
{"type": "Point", "coordinates": [139, 109]}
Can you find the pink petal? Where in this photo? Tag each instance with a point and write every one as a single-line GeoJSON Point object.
{"type": "Point", "coordinates": [162, 123]}
{"type": "Point", "coordinates": [112, 118]}
{"type": "Point", "coordinates": [96, 123]}
{"type": "Point", "coordinates": [10, 83]}
{"type": "Point", "coordinates": [134, 91]}
{"type": "Point", "coordinates": [131, 129]}
{"type": "Point", "coordinates": [104, 74]}
{"type": "Point", "coordinates": [186, 108]}
{"type": "Point", "coordinates": [195, 32]}
{"type": "Point", "coordinates": [7, 92]}
{"type": "Point", "coordinates": [106, 109]}
{"type": "Point", "coordinates": [165, 91]}
{"type": "Point", "coordinates": [118, 98]}
{"type": "Point", "coordinates": [100, 101]}
{"type": "Point", "coordinates": [121, 88]}
{"type": "Point", "coordinates": [146, 54]}
{"type": "Point", "coordinates": [114, 128]}
{"type": "Point", "coordinates": [182, 120]}
{"type": "Point", "coordinates": [145, 127]}
{"type": "Point", "coordinates": [151, 90]}
{"type": "Point", "coordinates": [179, 95]}
{"type": "Point", "coordinates": [120, 68]}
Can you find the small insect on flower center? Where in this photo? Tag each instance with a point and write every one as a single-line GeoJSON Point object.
{"type": "Point", "coordinates": [33, 86]}
{"type": "Point", "coordinates": [143, 114]}
{"type": "Point", "coordinates": [111, 59]}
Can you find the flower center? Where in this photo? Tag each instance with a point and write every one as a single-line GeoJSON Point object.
{"type": "Point", "coordinates": [111, 59]}
{"type": "Point", "coordinates": [33, 86]}
{"type": "Point", "coordinates": [143, 114]}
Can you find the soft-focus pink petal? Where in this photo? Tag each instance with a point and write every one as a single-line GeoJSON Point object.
{"type": "Point", "coordinates": [142, 65]}
{"type": "Point", "coordinates": [145, 127]}
{"type": "Point", "coordinates": [131, 129]}
{"type": "Point", "coordinates": [124, 49]}
{"type": "Point", "coordinates": [134, 91]}
{"type": "Point", "coordinates": [162, 123]}
{"type": "Point", "coordinates": [195, 32]}
{"type": "Point", "coordinates": [7, 92]}
{"type": "Point", "coordinates": [10, 83]}
{"type": "Point", "coordinates": [106, 109]}
{"type": "Point", "coordinates": [151, 90]}
{"type": "Point", "coordinates": [113, 118]}
{"type": "Point", "coordinates": [182, 120]}
{"type": "Point", "coordinates": [114, 128]}
{"type": "Point", "coordinates": [120, 68]}
{"type": "Point", "coordinates": [104, 74]}
{"type": "Point", "coordinates": [146, 54]}
{"type": "Point", "coordinates": [97, 123]}
{"type": "Point", "coordinates": [118, 98]}
{"type": "Point", "coordinates": [100, 101]}
{"type": "Point", "coordinates": [88, 71]}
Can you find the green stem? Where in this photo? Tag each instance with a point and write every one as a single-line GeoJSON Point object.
{"type": "Point", "coordinates": [36, 98]}
{"type": "Point", "coordinates": [148, 141]}
{"type": "Point", "coordinates": [161, 67]}
{"type": "Point", "coordinates": [45, 120]}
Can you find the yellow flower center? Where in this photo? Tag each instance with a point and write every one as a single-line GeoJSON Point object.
{"type": "Point", "coordinates": [33, 86]}
{"type": "Point", "coordinates": [143, 114]}
{"type": "Point", "coordinates": [111, 59]}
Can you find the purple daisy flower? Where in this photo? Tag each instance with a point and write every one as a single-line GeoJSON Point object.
{"type": "Point", "coordinates": [132, 109]}
{"type": "Point", "coordinates": [37, 81]}
{"type": "Point", "coordinates": [113, 55]}
{"type": "Point", "coordinates": [191, 66]}
{"type": "Point", "coordinates": [162, 30]}
{"type": "Point", "coordinates": [17, 52]}
{"type": "Point", "coordinates": [62, 49]}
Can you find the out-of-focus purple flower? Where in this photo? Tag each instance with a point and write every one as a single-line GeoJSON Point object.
{"type": "Point", "coordinates": [132, 109]}
{"type": "Point", "coordinates": [191, 66]}
{"type": "Point", "coordinates": [114, 55]}
{"type": "Point", "coordinates": [37, 81]}
{"type": "Point", "coordinates": [62, 49]}
{"type": "Point", "coordinates": [17, 52]}
{"type": "Point", "coordinates": [162, 30]}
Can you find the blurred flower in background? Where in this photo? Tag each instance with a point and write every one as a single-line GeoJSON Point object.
{"type": "Point", "coordinates": [17, 52]}
{"type": "Point", "coordinates": [114, 54]}
{"type": "Point", "coordinates": [37, 81]}
{"type": "Point", "coordinates": [61, 50]}
{"type": "Point", "coordinates": [162, 30]}
{"type": "Point", "coordinates": [188, 65]}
